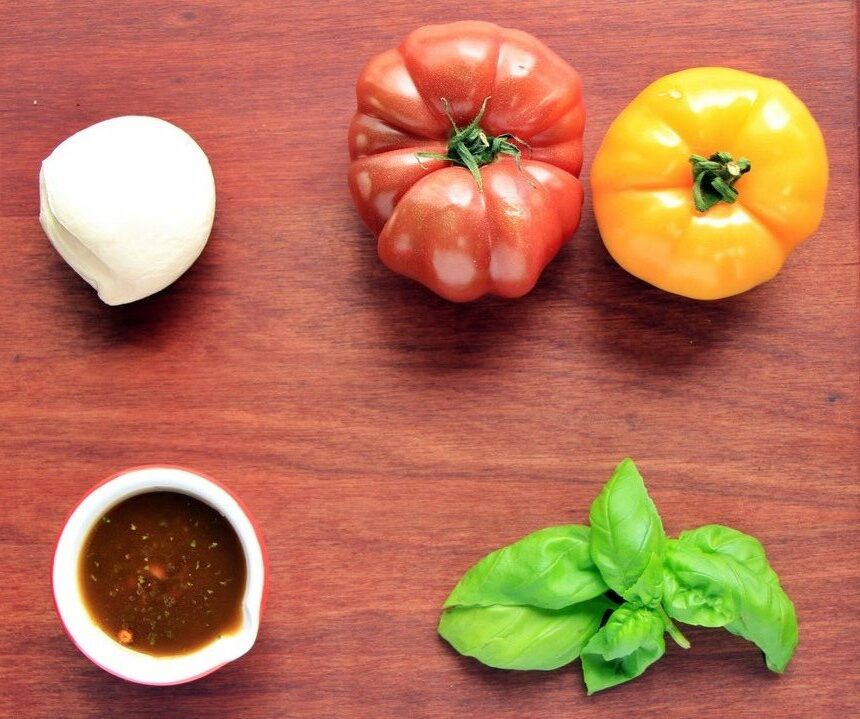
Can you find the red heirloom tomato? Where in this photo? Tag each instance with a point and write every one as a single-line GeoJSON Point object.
{"type": "Point", "coordinates": [465, 149]}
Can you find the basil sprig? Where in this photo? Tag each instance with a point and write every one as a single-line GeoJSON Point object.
{"type": "Point", "coordinates": [608, 593]}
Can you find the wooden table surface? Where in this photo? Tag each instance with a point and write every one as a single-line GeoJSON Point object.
{"type": "Point", "coordinates": [384, 438]}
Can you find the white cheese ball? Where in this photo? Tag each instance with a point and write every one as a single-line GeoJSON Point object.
{"type": "Point", "coordinates": [129, 204]}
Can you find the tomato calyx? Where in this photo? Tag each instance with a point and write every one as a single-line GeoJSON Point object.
{"type": "Point", "coordinates": [714, 178]}
{"type": "Point", "coordinates": [471, 147]}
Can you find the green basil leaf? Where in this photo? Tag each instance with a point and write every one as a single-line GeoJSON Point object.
{"type": "Point", "coordinates": [716, 538]}
{"type": "Point", "coordinates": [630, 642]}
{"type": "Point", "coordinates": [768, 619]}
{"type": "Point", "coordinates": [522, 637]}
{"type": "Point", "coordinates": [648, 589]}
{"type": "Point", "coordinates": [626, 532]}
{"type": "Point", "coordinates": [718, 576]}
{"type": "Point", "coordinates": [696, 589]}
{"type": "Point", "coordinates": [551, 568]}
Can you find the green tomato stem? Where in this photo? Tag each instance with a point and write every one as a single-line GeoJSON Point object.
{"type": "Point", "coordinates": [674, 632]}
{"type": "Point", "coordinates": [471, 147]}
{"type": "Point", "coordinates": [714, 178]}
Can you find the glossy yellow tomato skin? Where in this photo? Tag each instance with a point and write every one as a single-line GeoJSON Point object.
{"type": "Point", "coordinates": [642, 182]}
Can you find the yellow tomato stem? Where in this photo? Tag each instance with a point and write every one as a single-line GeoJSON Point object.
{"type": "Point", "coordinates": [714, 178]}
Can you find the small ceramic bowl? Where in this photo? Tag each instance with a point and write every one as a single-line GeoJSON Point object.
{"type": "Point", "coordinates": [101, 649]}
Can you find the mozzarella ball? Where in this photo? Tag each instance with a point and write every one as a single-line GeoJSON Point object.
{"type": "Point", "coordinates": [129, 204]}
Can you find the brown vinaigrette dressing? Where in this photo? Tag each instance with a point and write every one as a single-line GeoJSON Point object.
{"type": "Point", "coordinates": [163, 573]}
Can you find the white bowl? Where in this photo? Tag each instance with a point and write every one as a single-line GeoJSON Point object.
{"type": "Point", "coordinates": [100, 648]}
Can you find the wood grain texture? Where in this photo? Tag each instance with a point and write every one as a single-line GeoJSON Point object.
{"type": "Point", "coordinates": [384, 438]}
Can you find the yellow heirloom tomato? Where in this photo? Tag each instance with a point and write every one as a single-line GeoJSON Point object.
{"type": "Point", "coordinates": [707, 181]}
